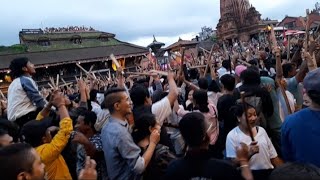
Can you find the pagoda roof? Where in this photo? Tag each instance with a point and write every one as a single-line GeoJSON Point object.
{"type": "Point", "coordinates": [155, 43]}
{"type": "Point", "coordinates": [207, 45]}
{"type": "Point", "coordinates": [181, 43]}
{"type": "Point", "coordinates": [58, 57]}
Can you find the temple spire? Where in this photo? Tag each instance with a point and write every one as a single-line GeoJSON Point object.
{"type": "Point", "coordinates": [154, 39]}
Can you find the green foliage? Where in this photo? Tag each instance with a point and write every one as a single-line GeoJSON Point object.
{"type": "Point", "coordinates": [56, 45]}
{"type": "Point", "coordinates": [17, 48]}
{"type": "Point", "coordinates": [214, 38]}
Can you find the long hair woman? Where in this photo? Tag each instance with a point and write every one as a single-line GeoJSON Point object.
{"type": "Point", "coordinates": [143, 126]}
{"type": "Point", "coordinates": [262, 152]}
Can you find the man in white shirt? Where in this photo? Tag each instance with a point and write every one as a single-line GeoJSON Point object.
{"type": "Point", "coordinates": [24, 99]}
{"type": "Point", "coordinates": [226, 68]}
{"type": "Point", "coordinates": [162, 109]}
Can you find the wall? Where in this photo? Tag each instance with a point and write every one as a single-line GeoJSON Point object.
{"type": "Point", "coordinates": [298, 25]}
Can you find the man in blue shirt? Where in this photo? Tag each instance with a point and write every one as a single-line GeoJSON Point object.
{"type": "Point", "coordinates": [122, 155]}
{"type": "Point", "coordinates": [300, 131]}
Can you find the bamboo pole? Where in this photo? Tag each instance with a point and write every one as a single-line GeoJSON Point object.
{"type": "Point", "coordinates": [204, 50]}
{"type": "Point", "coordinates": [138, 73]}
{"type": "Point", "coordinates": [51, 86]}
{"type": "Point", "coordinates": [85, 71]}
{"type": "Point", "coordinates": [245, 108]}
{"type": "Point", "coordinates": [57, 82]}
{"type": "Point", "coordinates": [91, 68]}
{"type": "Point", "coordinates": [288, 50]}
{"type": "Point", "coordinates": [2, 95]}
{"type": "Point", "coordinates": [307, 30]}
{"type": "Point", "coordinates": [52, 82]}
{"type": "Point", "coordinates": [209, 61]}
{"type": "Point", "coordinates": [200, 66]}
{"type": "Point", "coordinates": [67, 84]}
{"type": "Point", "coordinates": [94, 76]}
{"type": "Point", "coordinates": [193, 60]}
{"type": "Point", "coordinates": [63, 81]}
{"type": "Point", "coordinates": [103, 78]}
{"type": "Point", "coordinates": [109, 78]}
{"type": "Point", "coordinates": [115, 61]}
{"type": "Point", "coordinates": [279, 72]}
{"type": "Point", "coordinates": [159, 72]}
{"type": "Point", "coordinates": [244, 62]}
{"type": "Point", "coordinates": [182, 60]}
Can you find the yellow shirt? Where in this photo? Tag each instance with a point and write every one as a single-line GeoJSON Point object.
{"type": "Point", "coordinates": [50, 153]}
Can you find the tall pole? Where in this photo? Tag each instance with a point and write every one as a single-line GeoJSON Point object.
{"type": "Point", "coordinates": [288, 50]}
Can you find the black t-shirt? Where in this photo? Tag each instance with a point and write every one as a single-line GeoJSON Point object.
{"type": "Point", "coordinates": [229, 120]}
{"type": "Point", "coordinates": [199, 164]}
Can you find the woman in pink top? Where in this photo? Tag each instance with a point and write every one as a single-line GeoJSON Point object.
{"type": "Point", "coordinates": [200, 102]}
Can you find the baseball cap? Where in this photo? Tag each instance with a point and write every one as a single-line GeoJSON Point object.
{"type": "Point", "coordinates": [312, 80]}
{"type": "Point", "coordinates": [34, 130]}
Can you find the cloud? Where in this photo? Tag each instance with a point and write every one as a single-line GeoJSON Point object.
{"type": "Point", "coordinates": [133, 21]}
{"type": "Point", "coordinates": [277, 9]}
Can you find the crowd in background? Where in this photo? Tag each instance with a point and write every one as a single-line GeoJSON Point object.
{"type": "Point", "coordinates": [68, 29]}
{"type": "Point", "coordinates": [251, 112]}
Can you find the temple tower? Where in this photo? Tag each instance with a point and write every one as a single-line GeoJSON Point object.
{"type": "Point", "coordinates": [236, 18]}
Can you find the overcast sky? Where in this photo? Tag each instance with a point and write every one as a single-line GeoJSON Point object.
{"type": "Point", "coordinates": [131, 20]}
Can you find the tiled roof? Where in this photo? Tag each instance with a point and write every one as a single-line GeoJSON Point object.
{"type": "Point", "coordinates": [70, 55]}
{"type": "Point", "coordinates": [182, 43]}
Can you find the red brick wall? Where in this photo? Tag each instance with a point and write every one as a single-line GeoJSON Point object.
{"type": "Point", "coordinates": [313, 17]}
{"type": "Point", "coordinates": [287, 20]}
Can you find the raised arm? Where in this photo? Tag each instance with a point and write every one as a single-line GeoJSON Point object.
{"type": "Point", "coordinates": [130, 152]}
{"type": "Point", "coordinates": [159, 88]}
{"type": "Point", "coordinates": [173, 89]}
{"type": "Point", "coordinates": [296, 57]}
{"type": "Point", "coordinates": [154, 139]}
{"type": "Point", "coordinates": [310, 61]}
{"type": "Point", "coordinates": [83, 94]}
{"type": "Point", "coordinates": [53, 149]}
{"type": "Point", "coordinates": [46, 110]}
{"type": "Point", "coordinates": [302, 72]}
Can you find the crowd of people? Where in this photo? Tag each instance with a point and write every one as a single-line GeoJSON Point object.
{"type": "Point", "coordinates": [251, 112]}
{"type": "Point", "coordinates": [68, 29]}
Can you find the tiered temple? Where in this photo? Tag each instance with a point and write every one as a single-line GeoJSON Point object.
{"type": "Point", "coordinates": [239, 20]}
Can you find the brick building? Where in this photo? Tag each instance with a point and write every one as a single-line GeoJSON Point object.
{"type": "Point", "coordinates": [294, 23]}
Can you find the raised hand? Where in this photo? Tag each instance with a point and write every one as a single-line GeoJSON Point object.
{"type": "Point", "coordinates": [89, 171]}
{"type": "Point", "coordinates": [242, 152]}
{"type": "Point", "coordinates": [58, 99]}
{"type": "Point", "coordinates": [79, 138]}
{"type": "Point", "coordinates": [155, 137]}
{"type": "Point", "coordinates": [82, 85]}
{"type": "Point", "coordinates": [253, 148]}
